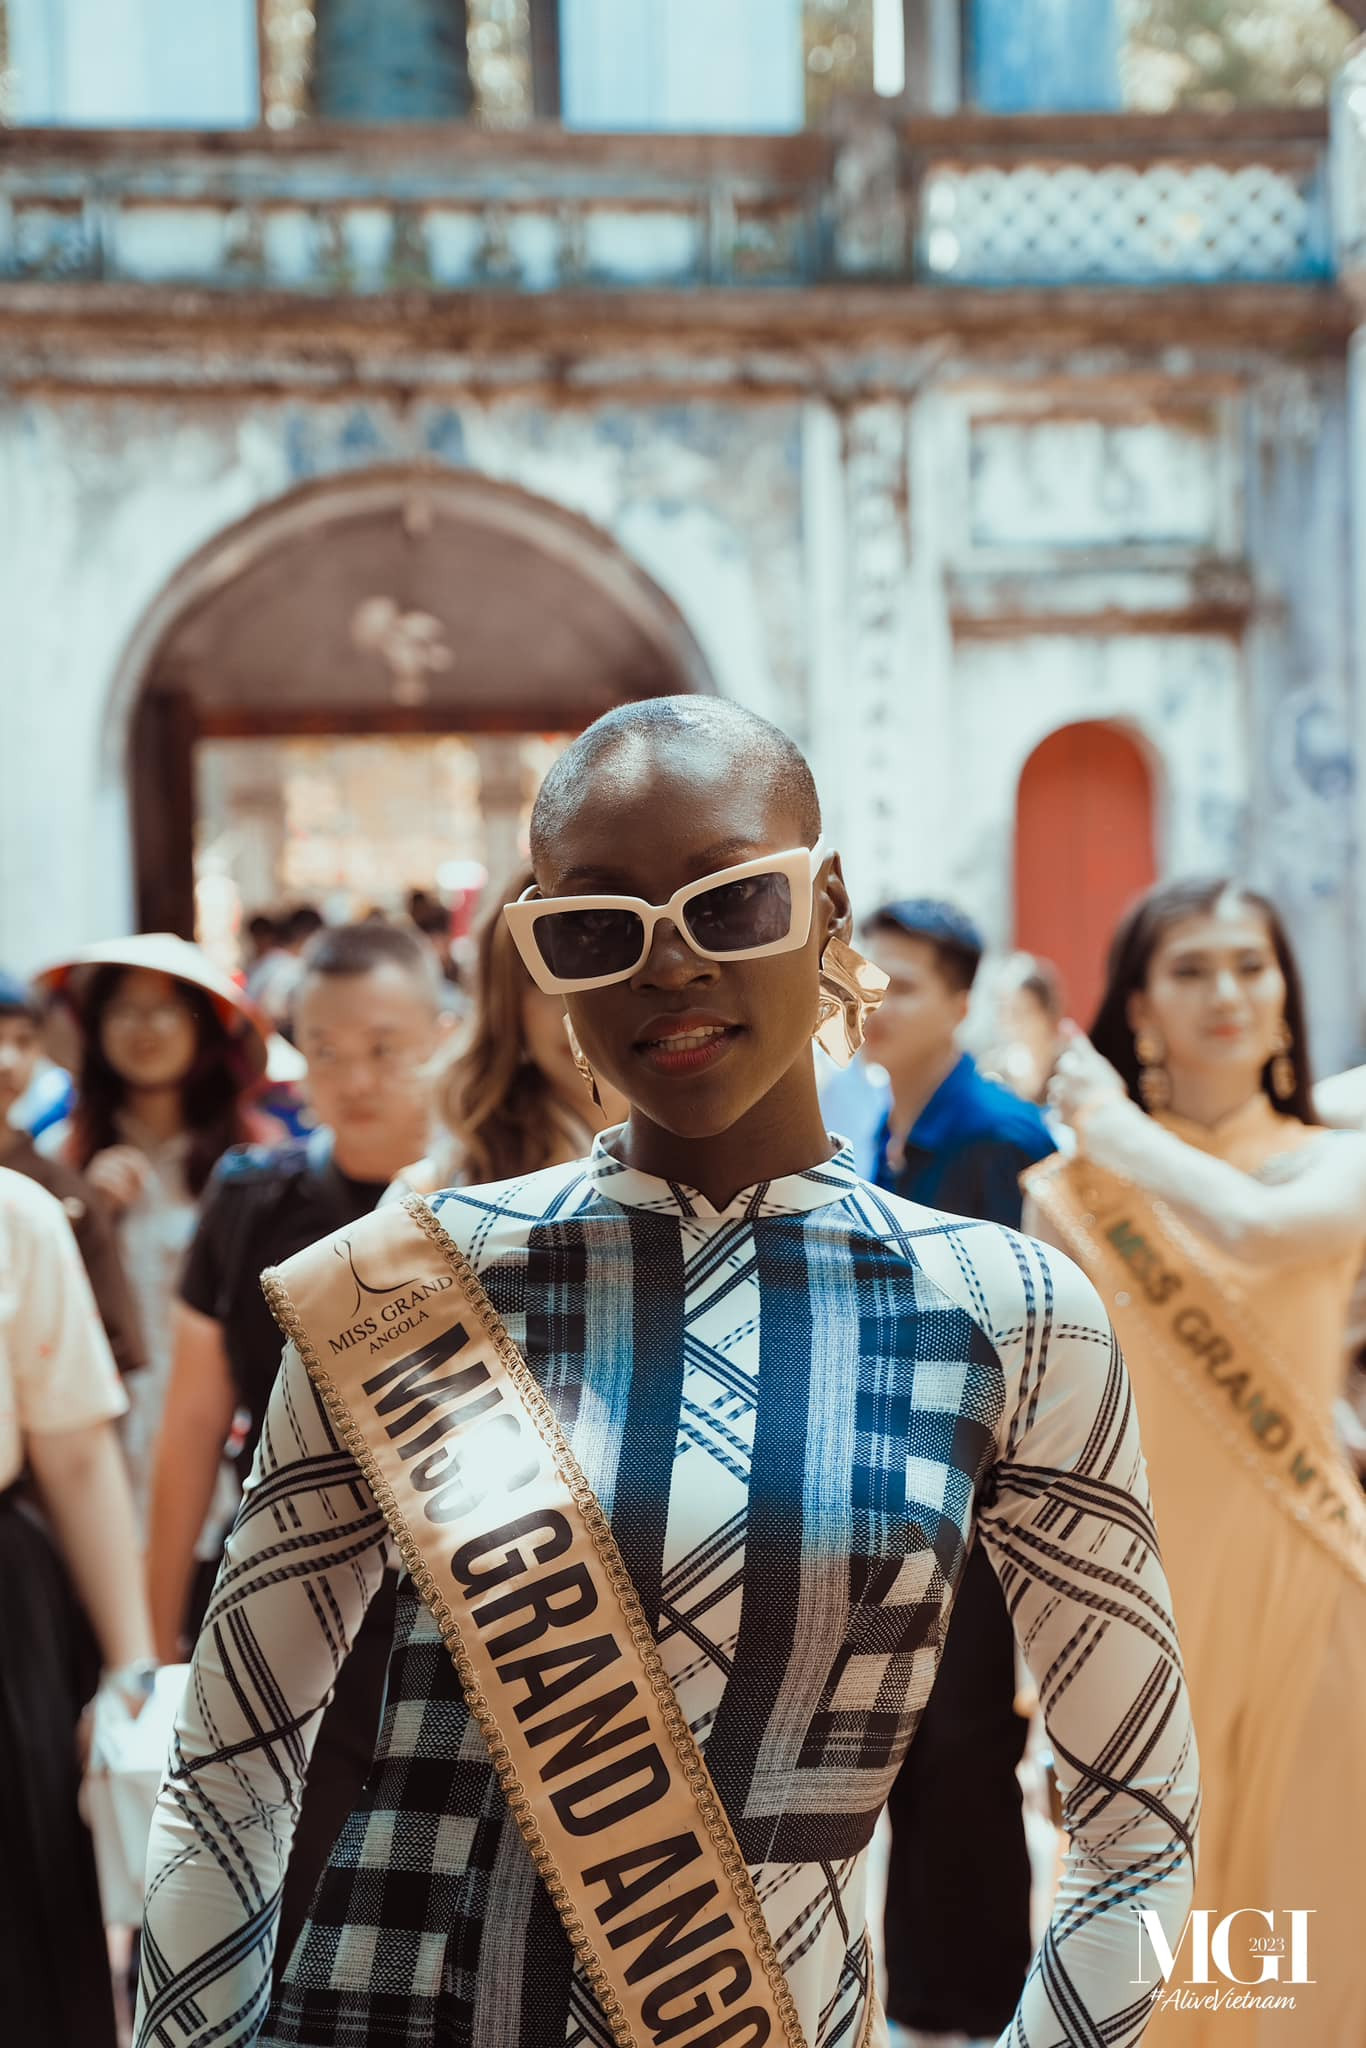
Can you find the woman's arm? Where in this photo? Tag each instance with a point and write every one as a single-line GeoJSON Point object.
{"type": "Point", "coordinates": [1316, 1214]}
{"type": "Point", "coordinates": [1341, 1099]}
{"type": "Point", "coordinates": [301, 1566]}
{"type": "Point", "coordinates": [83, 1484]}
{"type": "Point", "coordinates": [1070, 1535]}
{"type": "Point", "coordinates": [67, 1395]}
{"type": "Point", "coordinates": [1065, 1518]}
{"type": "Point", "coordinates": [200, 1400]}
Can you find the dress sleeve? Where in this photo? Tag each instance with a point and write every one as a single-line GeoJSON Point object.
{"type": "Point", "coordinates": [1067, 1523]}
{"type": "Point", "coordinates": [301, 1566]}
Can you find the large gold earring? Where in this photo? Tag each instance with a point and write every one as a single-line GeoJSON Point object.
{"type": "Point", "coordinates": [580, 1059]}
{"type": "Point", "coordinates": [1283, 1076]}
{"type": "Point", "coordinates": [1154, 1082]}
{"type": "Point", "coordinates": [851, 989]}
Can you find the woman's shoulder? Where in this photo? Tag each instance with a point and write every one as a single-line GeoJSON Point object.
{"type": "Point", "coordinates": [34, 1224]}
{"type": "Point", "coordinates": [1007, 1281]}
{"type": "Point", "coordinates": [30, 1207]}
{"type": "Point", "coordinates": [506, 1209]}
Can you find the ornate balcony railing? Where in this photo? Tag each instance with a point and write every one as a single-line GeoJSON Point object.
{"type": "Point", "coordinates": [1151, 201]}
{"type": "Point", "coordinates": [1066, 200]}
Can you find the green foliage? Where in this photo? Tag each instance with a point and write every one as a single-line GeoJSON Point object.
{"type": "Point", "coordinates": [1230, 53]}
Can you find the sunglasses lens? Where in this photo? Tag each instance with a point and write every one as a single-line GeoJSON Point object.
{"type": "Point", "coordinates": [738, 915]}
{"type": "Point", "coordinates": [579, 945]}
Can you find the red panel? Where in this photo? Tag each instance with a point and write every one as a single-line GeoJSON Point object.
{"type": "Point", "coordinates": [1083, 851]}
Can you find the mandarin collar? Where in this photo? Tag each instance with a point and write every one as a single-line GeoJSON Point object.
{"type": "Point", "coordinates": [789, 1195]}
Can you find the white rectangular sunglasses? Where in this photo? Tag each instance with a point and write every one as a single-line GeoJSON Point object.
{"type": "Point", "coordinates": [746, 912]}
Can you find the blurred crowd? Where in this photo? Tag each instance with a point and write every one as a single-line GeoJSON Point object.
{"type": "Point", "coordinates": [172, 1130]}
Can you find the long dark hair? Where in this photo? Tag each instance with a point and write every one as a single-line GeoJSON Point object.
{"type": "Point", "coordinates": [212, 1093]}
{"type": "Point", "coordinates": [1142, 930]}
{"type": "Point", "coordinates": [505, 1115]}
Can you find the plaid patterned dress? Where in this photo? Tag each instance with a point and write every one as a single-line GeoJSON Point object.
{"type": "Point", "coordinates": [795, 1411]}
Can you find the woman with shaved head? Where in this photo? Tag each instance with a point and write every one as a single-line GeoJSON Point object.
{"type": "Point", "coordinates": [682, 1446]}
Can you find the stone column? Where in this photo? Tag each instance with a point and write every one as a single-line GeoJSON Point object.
{"type": "Point", "coordinates": [934, 55]}
{"type": "Point", "coordinates": [881, 653]}
{"type": "Point", "coordinates": [1306, 489]}
{"type": "Point", "coordinates": [1348, 201]}
{"type": "Point", "coordinates": [391, 60]}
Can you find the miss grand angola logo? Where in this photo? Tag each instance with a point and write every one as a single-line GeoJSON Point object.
{"type": "Point", "coordinates": [402, 1311]}
{"type": "Point", "coordinates": [1285, 1942]}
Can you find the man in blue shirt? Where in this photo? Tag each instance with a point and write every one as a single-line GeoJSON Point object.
{"type": "Point", "coordinates": [957, 1925]}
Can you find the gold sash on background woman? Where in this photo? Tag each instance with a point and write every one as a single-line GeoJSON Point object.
{"type": "Point", "coordinates": [1168, 1309]}
{"type": "Point", "coordinates": [509, 1547]}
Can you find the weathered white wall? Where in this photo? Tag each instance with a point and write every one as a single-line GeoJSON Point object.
{"type": "Point", "coordinates": [689, 64]}
{"type": "Point", "coordinates": [105, 501]}
{"type": "Point", "coordinates": [1181, 695]}
{"type": "Point", "coordinates": [134, 63]}
{"type": "Point", "coordinates": [836, 565]}
{"type": "Point", "coordinates": [1304, 820]}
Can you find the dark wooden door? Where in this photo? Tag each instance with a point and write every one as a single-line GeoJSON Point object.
{"type": "Point", "coordinates": [161, 786]}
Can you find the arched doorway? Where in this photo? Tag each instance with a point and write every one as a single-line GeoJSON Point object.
{"type": "Point", "coordinates": [1084, 848]}
{"type": "Point", "coordinates": [412, 601]}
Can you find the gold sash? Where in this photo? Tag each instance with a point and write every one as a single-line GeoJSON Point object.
{"type": "Point", "coordinates": [1169, 1309]}
{"type": "Point", "coordinates": [508, 1546]}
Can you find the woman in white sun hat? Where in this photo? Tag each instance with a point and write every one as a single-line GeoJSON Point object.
{"type": "Point", "coordinates": [166, 1052]}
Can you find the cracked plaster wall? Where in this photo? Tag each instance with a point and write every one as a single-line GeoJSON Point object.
{"type": "Point", "coordinates": [826, 561]}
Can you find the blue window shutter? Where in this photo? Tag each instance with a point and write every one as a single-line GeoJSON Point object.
{"type": "Point", "coordinates": [1045, 56]}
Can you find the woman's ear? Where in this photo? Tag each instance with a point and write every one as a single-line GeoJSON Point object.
{"type": "Point", "coordinates": [833, 905]}
{"type": "Point", "coordinates": [1136, 1012]}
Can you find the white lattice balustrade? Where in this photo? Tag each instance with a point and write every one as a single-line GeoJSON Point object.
{"type": "Point", "coordinates": [991, 224]}
{"type": "Point", "coordinates": [1349, 161]}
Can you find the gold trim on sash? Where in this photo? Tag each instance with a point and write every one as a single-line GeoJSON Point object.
{"type": "Point", "coordinates": [1169, 1308]}
{"type": "Point", "coordinates": [467, 1463]}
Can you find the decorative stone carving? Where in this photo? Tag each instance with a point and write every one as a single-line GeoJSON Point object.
{"type": "Point", "coordinates": [410, 644]}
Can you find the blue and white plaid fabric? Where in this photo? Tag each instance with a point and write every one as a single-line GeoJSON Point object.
{"type": "Point", "coordinates": [795, 1411]}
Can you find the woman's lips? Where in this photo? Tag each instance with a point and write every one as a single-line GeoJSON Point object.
{"type": "Point", "coordinates": [686, 1045]}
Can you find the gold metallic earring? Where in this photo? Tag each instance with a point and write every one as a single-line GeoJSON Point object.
{"type": "Point", "coordinates": [580, 1059]}
{"type": "Point", "coordinates": [851, 988]}
{"type": "Point", "coordinates": [1154, 1082]}
{"type": "Point", "coordinates": [1283, 1076]}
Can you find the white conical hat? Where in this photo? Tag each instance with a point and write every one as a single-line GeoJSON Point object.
{"type": "Point", "coordinates": [67, 985]}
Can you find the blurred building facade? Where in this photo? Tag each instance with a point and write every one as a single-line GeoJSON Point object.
{"type": "Point", "coordinates": [1002, 443]}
